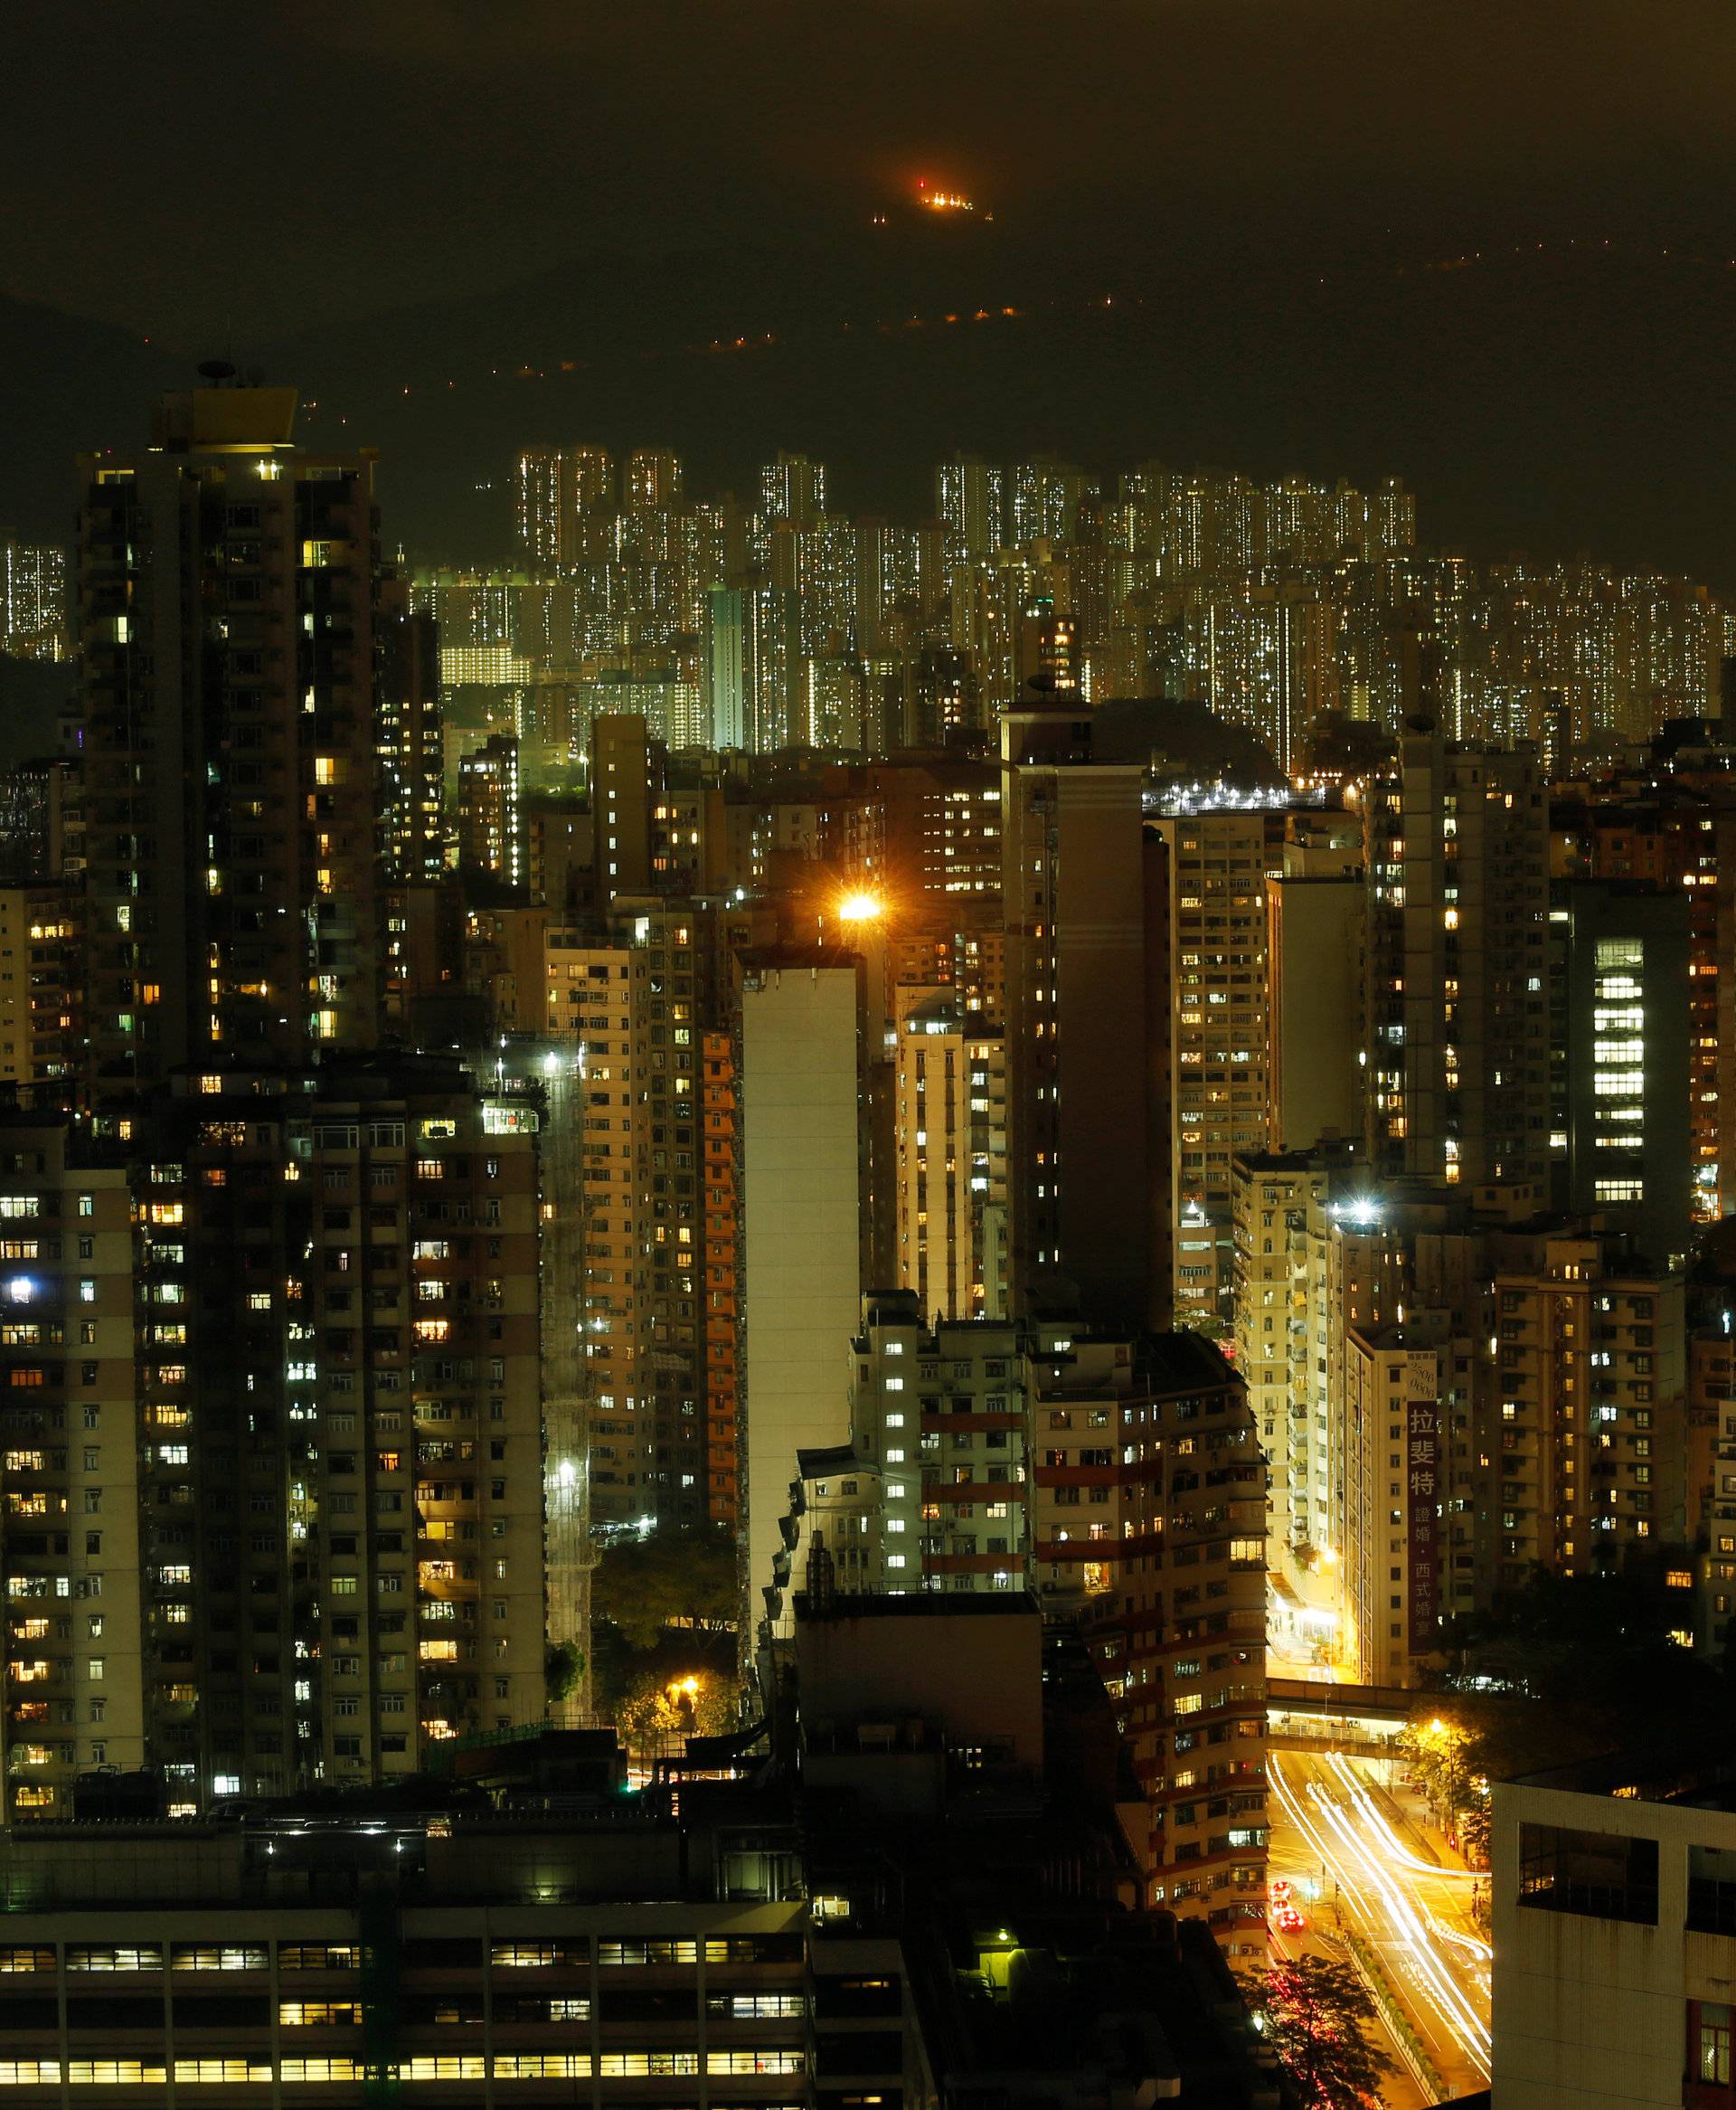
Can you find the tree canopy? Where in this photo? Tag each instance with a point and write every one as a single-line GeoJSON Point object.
{"type": "Point", "coordinates": [673, 1579]}
{"type": "Point", "coordinates": [1563, 1669]}
{"type": "Point", "coordinates": [1570, 1666]}
{"type": "Point", "coordinates": [1318, 2016]}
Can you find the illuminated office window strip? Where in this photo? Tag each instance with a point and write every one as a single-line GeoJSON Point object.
{"type": "Point", "coordinates": [508, 2065]}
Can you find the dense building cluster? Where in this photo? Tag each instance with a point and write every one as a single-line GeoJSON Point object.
{"type": "Point", "coordinates": [778, 619]}
{"type": "Point", "coordinates": [764, 1023]}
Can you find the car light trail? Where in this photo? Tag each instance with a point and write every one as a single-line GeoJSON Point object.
{"type": "Point", "coordinates": [1344, 1829]}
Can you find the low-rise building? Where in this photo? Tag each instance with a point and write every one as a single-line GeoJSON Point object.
{"type": "Point", "coordinates": [1615, 1940]}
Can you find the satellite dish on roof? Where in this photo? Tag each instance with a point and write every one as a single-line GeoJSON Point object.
{"type": "Point", "coordinates": [215, 370]}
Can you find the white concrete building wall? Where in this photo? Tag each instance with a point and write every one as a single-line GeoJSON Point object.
{"type": "Point", "coordinates": [1592, 2013]}
{"type": "Point", "coordinates": [801, 1174]}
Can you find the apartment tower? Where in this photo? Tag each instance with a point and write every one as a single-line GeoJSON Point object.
{"type": "Point", "coordinates": [226, 586]}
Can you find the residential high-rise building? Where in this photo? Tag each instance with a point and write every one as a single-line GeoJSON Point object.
{"type": "Point", "coordinates": [296, 1528]}
{"type": "Point", "coordinates": [504, 966]}
{"type": "Point", "coordinates": [984, 1458]}
{"type": "Point", "coordinates": [1218, 1036]}
{"type": "Point", "coordinates": [653, 482]}
{"type": "Point", "coordinates": [970, 499]}
{"type": "Point", "coordinates": [565, 498]}
{"type": "Point", "coordinates": [226, 594]}
{"type": "Point", "coordinates": [1450, 1397]}
{"type": "Point", "coordinates": [491, 824]}
{"type": "Point", "coordinates": [1711, 1407]}
{"type": "Point", "coordinates": [830, 711]}
{"type": "Point", "coordinates": [1457, 960]}
{"type": "Point", "coordinates": [1671, 825]}
{"type": "Point", "coordinates": [1150, 1522]}
{"type": "Point", "coordinates": [1391, 1485]}
{"type": "Point", "coordinates": [35, 612]}
{"type": "Point", "coordinates": [40, 822]}
{"type": "Point", "coordinates": [76, 1670]}
{"type": "Point", "coordinates": [1316, 923]}
{"type": "Point", "coordinates": [1275, 1200]}
{"type": "Point", "coordinates": [342, 1485]}
{"type": "Point", "coordinates": [1087, 1019]}
{"type": "Point", "coordinates": [412, 834]}
{"type": "Point", "coordinates": [637, 990]}
{"type": "Point", "coordinates": [950, 1144]}
{"type": "Point", "coordinates": [792, 489]}
{"type": "Point", "coordinates": [623, 766]}
{"type": "Point", "coordinates": [926, 830]}
{"type": "Point", "coordinates": [1622, 1041]}
{"type": "Point", "coordinates": [720, 1249]}
{"type": "Point", "coordinates": [1042, 498]}
{"type": "Point", "coordinates": [1592, 1377]}
{"type": "Point", "coordinates": [928, 1490]}
{"type": "Point", "coordinates": [592, 1002]}
{"type": "Point", "coordinates": [752, 661]}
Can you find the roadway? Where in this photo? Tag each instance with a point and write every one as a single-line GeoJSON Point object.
{"type": "Point", "coordinates": [1332, 1828]}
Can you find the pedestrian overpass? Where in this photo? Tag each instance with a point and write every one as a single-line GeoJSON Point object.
{"type": "Point", "coordinates": [1310, 1714]}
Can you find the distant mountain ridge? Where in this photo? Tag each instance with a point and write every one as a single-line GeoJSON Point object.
{"type": "Point", "coordinates": [1566, 402]}
{"type": "Point", "coordinates": [66, 384]}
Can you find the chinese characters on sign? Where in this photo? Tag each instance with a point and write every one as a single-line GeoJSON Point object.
{"type": "Point", "coordinates": [1422, 1464]}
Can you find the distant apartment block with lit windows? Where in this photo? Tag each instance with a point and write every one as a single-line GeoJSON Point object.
{"type": "Point", "coordinates": [34, 600]}
{"type": "Point", "coordinates": [564, 505]}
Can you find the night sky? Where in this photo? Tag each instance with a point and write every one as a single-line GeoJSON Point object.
{"type": "Point", "coordinates": [252, 177]}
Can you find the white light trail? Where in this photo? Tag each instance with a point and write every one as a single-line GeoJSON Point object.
{"type": "Point", "coordinates": [1361, 1862]}
{"type": "Point", "coordinates": [1435, 1971]}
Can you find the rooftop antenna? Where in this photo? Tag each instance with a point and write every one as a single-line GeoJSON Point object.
{"type": "Point", "coordinates": [216, 372]}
